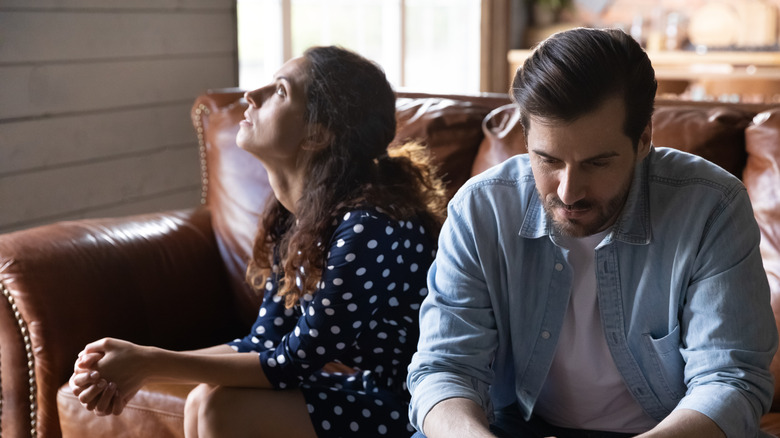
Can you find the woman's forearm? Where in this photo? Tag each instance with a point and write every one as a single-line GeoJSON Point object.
{"type": "Point", "coordinates": [218, 365]}
{"type": "Point", "coordinates": [214, 350]}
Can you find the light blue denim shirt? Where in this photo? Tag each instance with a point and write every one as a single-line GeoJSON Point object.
{"type": "Point", "coordinates": [682, 291]}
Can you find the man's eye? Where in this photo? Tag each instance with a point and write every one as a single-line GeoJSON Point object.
{"type": "Point", "coordinates": [280, 91]}
{"type": "Point", "coordinates": [599, 163]}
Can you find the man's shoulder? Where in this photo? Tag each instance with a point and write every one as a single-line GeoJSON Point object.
{"type": "Point", "coordinates": [672, 166]}
{"type": "Point", "coordinates": [683, 186]}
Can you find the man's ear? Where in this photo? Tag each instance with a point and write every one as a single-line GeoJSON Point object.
{"type": "Point", "coordinates": [318, 138]}
{"type": "Point", "coordinates": [645, 141]}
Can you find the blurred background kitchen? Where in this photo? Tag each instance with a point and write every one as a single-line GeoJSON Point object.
{"type": "Point", "coordinates": [702, 50]}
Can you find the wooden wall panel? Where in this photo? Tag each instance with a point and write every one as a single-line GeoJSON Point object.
{"type": "Point", "coordinates": [52, 89]}
{"type": "Point", "coordinates": [68, 189]}
{"type": "Point", "coordinates": [39, 144]}
{"type": "Point", "coordinates": [162, 5]}
{"type": "Point", "coordinates": [122, 34]}
{"type": "Point", "coordinates": [94, 104]}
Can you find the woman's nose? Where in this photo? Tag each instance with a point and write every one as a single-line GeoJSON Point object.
{"type": "Point", "coordinates": [254, 97]}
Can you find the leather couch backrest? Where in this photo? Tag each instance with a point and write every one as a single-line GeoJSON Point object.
{"type": "Point", "coordinates": [762, 179]}
{"type": "Point", "coordinates": [717, 134]}
{"type": "Point", "coordinates": [450, 128]}
{"type": "Point", "coordinates": [503, 138]}
{"type": "Point", "coordinates": [235, 186]}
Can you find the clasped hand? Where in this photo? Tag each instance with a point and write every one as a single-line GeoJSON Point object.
{"type": "Point", "coordinates": [106, 376]}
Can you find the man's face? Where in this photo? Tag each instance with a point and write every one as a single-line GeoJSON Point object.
{"type": "Point", "coordinates": [583, 169]}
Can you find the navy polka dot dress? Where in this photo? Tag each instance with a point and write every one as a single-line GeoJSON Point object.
{"type": "Point", "coordinates": [364, 315]}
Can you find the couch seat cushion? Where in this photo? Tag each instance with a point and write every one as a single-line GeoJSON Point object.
{"type": "Point", "coordinates": [155, 411]}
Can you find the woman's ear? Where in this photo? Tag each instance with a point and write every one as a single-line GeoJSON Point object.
{"type": "Point", "coordinates": [318, 138]}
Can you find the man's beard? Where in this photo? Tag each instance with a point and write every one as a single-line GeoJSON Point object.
{"type": "Point", "coordinates": [605, 213]}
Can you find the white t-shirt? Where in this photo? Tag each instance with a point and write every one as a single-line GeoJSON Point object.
{"type": "Point", "coordinates": [584, 389]}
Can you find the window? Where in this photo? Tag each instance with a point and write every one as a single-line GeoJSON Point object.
{"type": "Point", "coordinates": [423, 45]}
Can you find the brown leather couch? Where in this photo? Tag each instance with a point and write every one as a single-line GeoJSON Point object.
{"type": "Point", "coordinates": [175, 279]}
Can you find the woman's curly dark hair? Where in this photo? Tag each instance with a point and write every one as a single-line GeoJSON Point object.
{"type": "Point", "coordinates": [350, 102]}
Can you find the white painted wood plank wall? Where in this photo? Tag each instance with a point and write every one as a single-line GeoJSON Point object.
{"type": "Point", "coordinates": [94, 104]}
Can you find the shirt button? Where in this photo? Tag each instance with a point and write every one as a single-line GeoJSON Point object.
{"type": "Point", "coordinates": [545, 335]}
{"type": "Point", "coordinates": [558, 267]}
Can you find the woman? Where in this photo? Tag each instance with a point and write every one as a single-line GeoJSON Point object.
{"type": "Point", "coordinates": [340, 256]}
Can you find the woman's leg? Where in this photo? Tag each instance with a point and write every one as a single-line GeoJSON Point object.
{"type": "Point", "coordinates": [191, 408]}
{"type": "Point", "coordinates": [236, 412]}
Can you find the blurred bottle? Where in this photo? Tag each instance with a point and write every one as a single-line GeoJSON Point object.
{"type": "Point", "coordinates": [637, 30]}
{"type": "Point", "coordinates": [672, 37]}
{"type": "Point", "coordinates": [655, 37]}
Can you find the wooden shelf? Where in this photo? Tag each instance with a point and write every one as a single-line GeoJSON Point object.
{"type": "Point", "coordinates": [741, 58]}
{"type": "Point", "coordinates": [716, 73]}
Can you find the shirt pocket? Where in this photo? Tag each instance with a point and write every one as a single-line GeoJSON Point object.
{"type": "Point", "coordinates": [667, 366]}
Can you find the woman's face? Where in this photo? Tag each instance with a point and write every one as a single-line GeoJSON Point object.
{"type": "Point", "coordinates": [274, 127]}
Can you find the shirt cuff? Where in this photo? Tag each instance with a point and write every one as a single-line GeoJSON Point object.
{"type": "Point", "coordinates": [726, 406]}
{"type": "Point", "coordinates": [441, 386]}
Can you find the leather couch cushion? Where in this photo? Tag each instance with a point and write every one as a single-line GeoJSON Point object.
{"type": "Point", "coordinates": [503, 138]}
{"type": "Point", "coordinates": [770, 424]}
{"type": "Point", "coordinates": [762, 179]}
{"type": "Point", "coordinates": [155, 411]}
{"type": "Point", "coordinates": [717, 134]}
{"type": "Point", "coordinates": [452, 131]}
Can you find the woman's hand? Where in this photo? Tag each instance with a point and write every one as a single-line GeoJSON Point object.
{"type": "Point", "coordinates": [94, 393]}
{"type": "Point", "coordinates": [103, 368]}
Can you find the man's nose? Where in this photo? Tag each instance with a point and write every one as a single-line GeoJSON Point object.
{"type": "Point", "coordinates": [571, 187]}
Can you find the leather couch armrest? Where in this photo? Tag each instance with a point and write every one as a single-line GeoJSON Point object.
{"type": "Point", "coordinates": [154, 279]}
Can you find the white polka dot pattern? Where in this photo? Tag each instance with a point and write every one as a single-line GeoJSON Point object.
{"type": "Point", "coordinates": [363, 314]}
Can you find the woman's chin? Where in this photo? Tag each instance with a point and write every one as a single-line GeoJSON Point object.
{"type": "Point", "coordinates": [241, 141]}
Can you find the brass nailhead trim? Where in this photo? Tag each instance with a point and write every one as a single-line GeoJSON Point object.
{"type": "Point", "coordinates": [204, 173]}
{"type": "Point", "coordinates": [30, 362]}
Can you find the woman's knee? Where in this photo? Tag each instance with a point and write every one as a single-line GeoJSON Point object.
{"type": "Point", "coordinates": [195, 398]}
{"type": "Point", "coordinates": [192, 409]}
{"type": "Point", "coordinates": [195, 401]}
{"type": "Point", "coordinates": [216, 409]}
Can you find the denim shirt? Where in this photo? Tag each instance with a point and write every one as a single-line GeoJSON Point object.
{"type": "Point", "coordinates": [682, 292]}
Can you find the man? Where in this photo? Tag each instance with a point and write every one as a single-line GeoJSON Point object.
{"type": "Point", "coordinates": [596, 286]}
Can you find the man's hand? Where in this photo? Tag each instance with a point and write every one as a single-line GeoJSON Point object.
{"type": "Point", "coordinates": [685, 423]}
{"type": "Point", "coordinates": [456, 417]}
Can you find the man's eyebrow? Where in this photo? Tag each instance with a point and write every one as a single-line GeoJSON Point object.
{"type": "Point", "coordinates": [542, 154]}
{"type": "Point", "coordinates": [601, 156]}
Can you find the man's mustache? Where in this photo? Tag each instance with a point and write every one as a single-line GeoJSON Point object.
{"type": "Point", "coordinates": [555, 202]}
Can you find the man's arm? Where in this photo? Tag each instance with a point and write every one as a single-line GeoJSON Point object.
{"type": "Point", "coordinates": [727, 325]}
{"type": "Point", "coordinates": [458, 334]}
{"type": "Point", "coordinates": [685, 423]}
{"type": "Point", "coordinates": [456, 417]}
